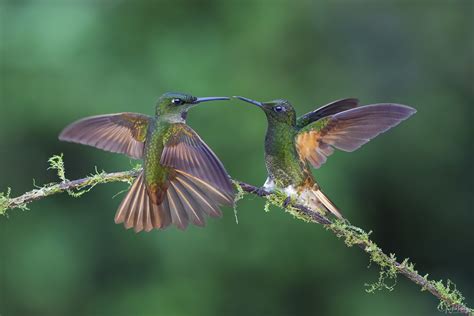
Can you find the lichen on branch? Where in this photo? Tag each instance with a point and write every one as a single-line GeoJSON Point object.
{"type": "Point", "coordinates": [450, 298]}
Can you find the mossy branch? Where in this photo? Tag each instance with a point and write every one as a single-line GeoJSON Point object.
{"type": "Point", "coordinates": [450, 299]}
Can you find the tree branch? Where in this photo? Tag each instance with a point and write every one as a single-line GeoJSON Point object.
{"type": "Point", "coordinates": [450, 298]}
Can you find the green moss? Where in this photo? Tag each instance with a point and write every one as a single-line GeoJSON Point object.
{"type": "Point", "coordinates": [451, 296]}
{"type": "Point", "coordinates": [56, 163]}
{"type": "Point", "coordinates": [389, 268]}
{"type": "Point", "coordinates": [408, 265]}
{"type": "Point", "coordinates": [239, 196]}
{"type": "Point", "coordinates": [269, 201]}
{"type": "Point", "coordinates": [278, 199]}
{"type": "Point", "coordinates": [94, 179]}
{"type": "Point", "coordinates": [297, 214]}
{"type": "Point", "coordinates": [353, 235]}
{"type": "Point", "coordinates": [388, 272]}
{"type": "Point", "coordinates": [267, 205]}
{"type": "Point", "coordinates": [137, 167]}
{"type": "Point", "coordinates": [4, 201]}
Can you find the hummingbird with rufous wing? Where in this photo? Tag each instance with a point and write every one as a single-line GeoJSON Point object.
{"type": "Point", "coordinates": [293, 143]}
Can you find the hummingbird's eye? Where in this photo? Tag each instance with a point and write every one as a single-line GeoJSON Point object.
{"type": "Point", "coordinates": [177, 101]}
{"type": "Point", "coordinates": [278, 108]}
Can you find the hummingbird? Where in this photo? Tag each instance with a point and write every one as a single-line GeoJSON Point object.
{"type": "Point", "coordinates": [182, 179]}
{"type": "Point", "coordinates": [292, 144]}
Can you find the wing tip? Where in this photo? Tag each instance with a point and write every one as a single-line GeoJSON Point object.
{"type": "Point", "coordinates": [63, 135]}
{"type": "Point", "coordinates": [405, 108]}
{"type": "Point", "coordinates": [354, 101]}
{"type": "Point", "coordinates": [408, 109]}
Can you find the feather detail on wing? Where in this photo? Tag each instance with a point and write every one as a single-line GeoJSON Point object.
{"type": "Point", "coordinates": [326, 110]}
{"type": "Point", "coordinates": [196, 185]}
{"type": "Point", "coordinates": [120, 133]}
{"type": "Point", "coordinates": [348, 130]}
{"type": "Point", "coordinates": [187, 152]}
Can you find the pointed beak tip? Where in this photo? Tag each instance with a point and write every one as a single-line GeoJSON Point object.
{"type": "Point", "coordinates": [206, 99]}
{"type": "Point", "coordinates": [259, 104]}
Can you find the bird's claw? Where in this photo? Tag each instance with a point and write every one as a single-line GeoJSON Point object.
{"type": "Point", "coordinates": [287, 201]}
{"type": "Point", "coordinates": [260, 191]}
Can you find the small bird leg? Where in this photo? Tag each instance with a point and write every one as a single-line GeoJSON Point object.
{"type": "Point", "coordinates": [287, 201]}
{"type": "Point", "coordinates": [260, 192]}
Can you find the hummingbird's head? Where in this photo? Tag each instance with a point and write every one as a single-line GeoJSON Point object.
{"type": "Point", "coordinates": [276, 111]}
{"type": "Point", "coordinates": [176, 105]}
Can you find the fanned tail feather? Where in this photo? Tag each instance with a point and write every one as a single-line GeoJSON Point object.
{"type": "Point", "coordinates": [315, 199]}
{"type": "Point", "coordinates": [137, 209]}
{"type": "Point", "coordinates": [186, 200]}
{"type": "Point", "coordinates": [327, 203]}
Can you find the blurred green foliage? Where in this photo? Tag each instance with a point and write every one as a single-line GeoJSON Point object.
{"type": "Point", "coordinates": [63, 60]}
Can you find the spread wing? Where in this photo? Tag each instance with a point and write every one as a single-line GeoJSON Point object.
{"type": "Point", "coordinates": [185, 151]}
{"type": "Point", "coordinates": [196, 185]}
{"type": "Point", "coordinates": [120, 133]}
{"type": "Point", "coordinates": [326, 110]}
{"type": "Point", "coordinates": [348, 130]}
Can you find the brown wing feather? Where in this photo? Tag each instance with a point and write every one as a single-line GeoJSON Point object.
{"type": "Point", "coordinates": [201, 199]}
{"type": "Point", "coordinates": [198, 184]}
{"type": "Point", "coordinates": [179, 216]}
{"type": "Point", "coordinates": [326, 110]}
{"type": "Point", "coordinates": [182, 204]}
{"type": "Point", "coordinates": [348, 130]}
{"type": "Point", "coordinates": [120, 133]}
{"type": "Point", "coordinates": [189, 204]}
{"type": "Point", "coordinates": [186, 151]}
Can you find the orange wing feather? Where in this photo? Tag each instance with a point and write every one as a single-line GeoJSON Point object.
{"type": "Point", "coordinates": [347, 130]}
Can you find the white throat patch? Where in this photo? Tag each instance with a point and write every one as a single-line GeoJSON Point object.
{"type": "Point", "coordinates": [174, 118]}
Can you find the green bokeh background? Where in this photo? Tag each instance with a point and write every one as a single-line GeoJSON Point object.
{"type": "Point", "coordinates": [63, 60]}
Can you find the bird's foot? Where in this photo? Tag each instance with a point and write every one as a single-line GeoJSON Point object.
{"type": "Point", "coordinates": [260, 192]}
{"type": "Point", "coordinates": [287, 201]}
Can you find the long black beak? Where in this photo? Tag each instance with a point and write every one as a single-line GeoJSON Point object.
{"type": "Point", "coordinates": [250, 101]}
{"type": "Point", "coordinates": [199, 100]}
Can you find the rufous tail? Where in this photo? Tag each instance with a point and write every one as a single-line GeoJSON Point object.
{"type": "Point", "coordinates": [187, 199]}
{"type": "Point", "coordinates": [327, 203]}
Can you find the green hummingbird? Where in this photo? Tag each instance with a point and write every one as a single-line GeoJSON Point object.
{"type": "Point", "coordinates": [292, 143]}
{"type": "Point", "coordinates": [182, 179]}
